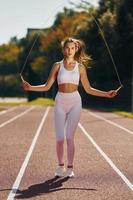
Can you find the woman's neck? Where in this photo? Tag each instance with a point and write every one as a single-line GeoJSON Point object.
{"type": "Point", "coordinates": [69, 60]}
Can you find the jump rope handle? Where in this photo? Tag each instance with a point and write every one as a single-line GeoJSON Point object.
{"type": "Point", "coordinates": [22, 77]}
{"type": "Point", "coordinates": [119, 88]}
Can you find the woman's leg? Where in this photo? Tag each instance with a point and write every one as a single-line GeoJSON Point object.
{"type": "Point", "coordinates": [72, 123]}
{"type": "Point", "coordinates": [70, 152]}
{"type": "Point", "coordinates": [60, 152]}
{"type": "Point", "coordinates": [60, 118]}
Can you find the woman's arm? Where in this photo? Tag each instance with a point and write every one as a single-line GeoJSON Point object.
{"type": "Point", "coordinates": [91, 90]}
{"type": "Point", "coordinates": [47, 85]}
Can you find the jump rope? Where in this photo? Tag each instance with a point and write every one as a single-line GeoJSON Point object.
{"type": "Point", "coordinates": [100, 31]}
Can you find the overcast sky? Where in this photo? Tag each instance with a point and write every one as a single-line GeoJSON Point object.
{"type": "Point", "coordinates": [18, 15]}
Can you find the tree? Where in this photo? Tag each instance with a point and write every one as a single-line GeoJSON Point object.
{"type": "Point", "coordinates": [9, 58]}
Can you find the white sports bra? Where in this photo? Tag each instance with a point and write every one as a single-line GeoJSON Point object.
{"type": "Point", "coordinates": [66, 76]}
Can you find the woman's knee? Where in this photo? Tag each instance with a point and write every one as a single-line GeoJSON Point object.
{"type": "Point", "coordinates": [70, 140]}
{"type": "Point", "coordinates": [60, 142]}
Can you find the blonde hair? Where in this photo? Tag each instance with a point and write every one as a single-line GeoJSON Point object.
{"type": "Point", "coordinates": [80, 55]}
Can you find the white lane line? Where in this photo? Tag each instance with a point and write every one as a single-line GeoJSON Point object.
{"type": "Point", "coordinates": [109, 161]}
{"type": "Point", "coordinates": [27, 158]}
{"type": "Point", "coordinates": [110, 122]}
{"type": "Point", "coordinates": [16, 117]}
{"type": "Point", "coordinates": [8, 110]}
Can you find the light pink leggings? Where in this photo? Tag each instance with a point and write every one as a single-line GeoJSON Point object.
{"type": "Point", "coordinates": [67, 113]}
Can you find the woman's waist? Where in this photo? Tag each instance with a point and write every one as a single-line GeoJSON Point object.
{"type": "Point", "coordinates": [67, 88]}
{"type": "Point", "coordinates": [68, 96]}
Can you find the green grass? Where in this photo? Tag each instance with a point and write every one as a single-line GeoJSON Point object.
{"type": "Point", "coordinates": [125, 114]}
{"type": "Point", "coordinates": [42, 102]}
{"type": "Point", "coordinates": [10, 104]}
{"type": "Point", "coordinates": [50, 102]}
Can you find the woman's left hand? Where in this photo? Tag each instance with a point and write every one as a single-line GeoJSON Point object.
{"type": "Point", "coordinates": [111, 93]}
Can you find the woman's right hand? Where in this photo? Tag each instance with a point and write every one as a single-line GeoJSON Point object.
{"type": "Point", "coordinates": [26, 85]}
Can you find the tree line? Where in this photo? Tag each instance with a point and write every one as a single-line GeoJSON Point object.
{"type": "Point", "coordinates": [115, 18]}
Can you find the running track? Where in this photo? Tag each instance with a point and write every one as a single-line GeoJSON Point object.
{"type": "Point", "coordinates": [103, 159]}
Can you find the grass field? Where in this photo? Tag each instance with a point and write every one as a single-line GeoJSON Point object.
{"type": "Point", "coordinates": [50, 102]}
{"type": "Point", "coordinates": [125, 114]}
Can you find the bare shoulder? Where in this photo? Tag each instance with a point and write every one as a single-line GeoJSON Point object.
{"type": "Point", "coordinates": [82, 68]}
{"type": "Point", "coordinates": [56, 66]}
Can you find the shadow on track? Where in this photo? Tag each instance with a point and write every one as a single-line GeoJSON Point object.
{"type": "Point", "coordinates": [51, 185]}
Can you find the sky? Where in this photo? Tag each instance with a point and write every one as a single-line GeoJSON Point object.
{"type": "Point", "coordinates": [18, 15]}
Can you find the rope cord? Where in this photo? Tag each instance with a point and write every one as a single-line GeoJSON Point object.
{"type": "Point", "coordinates": [101, 33]}
{"type": "Point", "coordinates": [109, 51]}
{"type": "Point", "coordinates": [37, 35]}
{"type": "Point", "coordinates": [106, 44]}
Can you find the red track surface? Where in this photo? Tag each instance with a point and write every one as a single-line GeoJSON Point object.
{"type": "Point", "coordinates": [103, 162]}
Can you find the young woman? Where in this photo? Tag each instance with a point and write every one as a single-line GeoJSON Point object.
{"type": "Point", "coordinates": [68, 73]}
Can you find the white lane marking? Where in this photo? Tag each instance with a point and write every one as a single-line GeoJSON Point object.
{"type": "Point", "coordinates": [110, 122]}
{"type": "Point", "coordinates": [27, 158]}
{"type": "Point", "coordinates": [16, 117]}
{"type": "Point", "coordinates": [109, 161]}
{"type": "Point", "coordinates": [8, 110]}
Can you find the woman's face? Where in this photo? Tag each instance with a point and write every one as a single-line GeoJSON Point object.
{"type": "Point", "coordinates": [69, 49]}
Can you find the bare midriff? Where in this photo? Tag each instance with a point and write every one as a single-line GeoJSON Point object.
{"type": "Point", "coordinates": [67, 87]}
